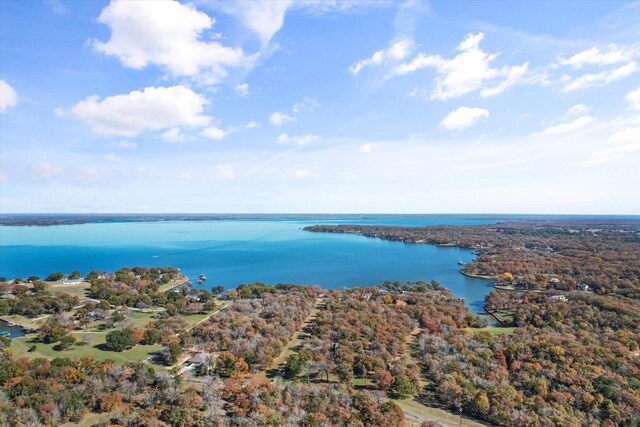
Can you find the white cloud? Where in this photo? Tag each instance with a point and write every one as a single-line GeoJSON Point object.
{"type": "Point", "coordinates": [612, 54]}
{"type": "Point", "coordinates": [174, 135]}
{"type": "Point", "coordinates": [601, 78]}
{"type": "Point", "coordinates": [466, 72]}
{"type": "Point", "coordinates": [213, 132]}
{"type": "Point", "coordinates": [622, 143]}
{"type": "Point", "coordinates": [307, 104]}
{"type": "Point", "coordinates": [264, 18]}
{"type": "Point", "coordinates": [154, 108]}
{"type": "Point", "coordinates": [8, 96]}
{"type": "Point", "coordinates": [366, 148]}
{"type": "Point", "coordinates": [277, 118]}
{"type": "Point", "coordinates": [242, 90]}
{"type": "Point", "coordinates": [252, 125]}
{"type": "Point", "coordinates": [514, 76]}
{"type": "Point", "coordinates": [396, 52]}
{"type": "Point", "coordinates": [225, 173]}
{"type": "Point", "coordinates": [297, 140]}
{"type": "Point", "coordinates": [578, 123]}
{"type": "Point", "coordinates": [578, 109]}
{"type": "Point", "coordinates": [111, 157]}
{"type": "Point", "coordinates": [125, 144]}
{"type": "Point", "coordinates": [306, 174]}
{"type": "Point", "coordinates": [633, 98]}
{"type": "Point", "coordinates": [166, 34]}
{"type": "Point", "coordinates": [463, 118]}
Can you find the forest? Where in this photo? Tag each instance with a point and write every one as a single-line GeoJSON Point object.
{"type": "Point", "coordinates": [551, 354]}
{"type": "Point", "coordinates": [536, 255]}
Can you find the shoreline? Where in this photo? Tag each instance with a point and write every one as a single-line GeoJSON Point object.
{"type": "Point", "coordinates": [477, 276]}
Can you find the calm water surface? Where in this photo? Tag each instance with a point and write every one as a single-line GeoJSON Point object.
{"type": "Point", "coordinates": [230, 252]}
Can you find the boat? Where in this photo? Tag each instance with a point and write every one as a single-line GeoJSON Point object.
{"type": "Point", "coordinates": [202, 278]}
{"type": "Point", "coordinates": [461, 262]}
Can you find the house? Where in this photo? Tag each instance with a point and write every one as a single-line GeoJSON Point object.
{"type": "Point", "coordinates": [200, 359]}
{"type": "Point", "coordinates": [400, 303]}
{"type": "Point", "coordinates": [553, 280]}
{"type": "Point", "coordinates": [558, 297]}
{"type": "Point", "coordinates": [583, 287]}
{"type": "Point", "coordinates": [71, 281]}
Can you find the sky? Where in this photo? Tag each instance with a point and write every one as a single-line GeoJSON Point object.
{"type": "Point", "coordinates": [320, 107]}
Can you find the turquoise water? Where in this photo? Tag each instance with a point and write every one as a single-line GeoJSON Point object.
{"type": "Point", "coordinates": [231, 252]}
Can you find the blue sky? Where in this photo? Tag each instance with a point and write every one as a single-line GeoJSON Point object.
{"type": "Point", "coordinates": [320, 106]}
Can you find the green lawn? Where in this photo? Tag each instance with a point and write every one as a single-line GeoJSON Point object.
{"type": "Point", "coordinates": [434, 414]}
{"type": "Point", "coordinates": [172, 284]}
{"type": "Point", "coordinates": [24, 321]}
{"type": "Point", "coordinates": [506, 318]}
{"type": "Point", "coordinates": [89, 420]}
{"type": "Point", "coordinates": [80, 290]}
{"type": "Point", "coordinates": [498, 330]}
{"type": "Point", "coordinates": [92, 349]}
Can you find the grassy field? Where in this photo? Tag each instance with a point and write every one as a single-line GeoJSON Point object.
{"type": "Point", "coordinates": [89, 420]}
{"type": "Point", "coordinates": [79, 290]}
{"type": "Point", "coordinates": [434, 414]}
{"type": "Point", "coordinates": [93, 348]}
{"type": "Point", "coordinates": [506, 318]}
{"type": "Point", "coordinates": [25, 322]}
{"type": "Point", "coordinates": [172, 284]}
{"type": "Point", "coordinates": [498, 330]}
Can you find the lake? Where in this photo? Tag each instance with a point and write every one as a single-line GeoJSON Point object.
{"type": "Point", "coordinates": [235, 251]}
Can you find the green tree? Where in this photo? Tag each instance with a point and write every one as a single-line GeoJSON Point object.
{"type": "Point", "coordinates": [294, 365]}
{"type": "Point", "coordinates": [403, 387]}
{"type": "Point", "coordinates": [120, 340]}
{"type": "Point", "coordinates": [53, 277]}
{"type": "Point", "coordinates": [152, 336]}
{"type": "Point", "coordinates": [66, 342]}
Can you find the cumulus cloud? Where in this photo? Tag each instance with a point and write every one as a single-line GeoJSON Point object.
{"type": "Point", "coordinates": [174, 135]}
{"type": "Point", "coordinates": [578, 109]}
{"type": "Point", "coordinates": [602, 78]}
{"type": "Point", "coordinates": [154, 108]}
{"type": "Point", "coordinates": [264, 18]}
{"type": "Point", "coordinates": [225, 173]}
{"type": "Point", "coordinates": [167, 34]}
{"type": "Point", "coordinates": [242, 89]}
{"type": "Point", "coordinates": [252, 125]}
{"type": "Point", "coordinates": [396, 52]}
{"type": "Point", "coordinates": [8, 96]}
{"type": "Point", "coordinates": [463, 118]}
{"type": "Point", "coordinates": [299, 140]}
{"type": "Point", "coordinates": [578, 123]}
{"type": "Point", "coordinates": [609, 55]}
{"type": "Point", "coordinates": [633, 98]}
{"type": "Point", "coordinates": [466, 72]}
{"type": "Point", "coordinates": [278, 119]}
{"type": "Point", "coordinates": [213, 132]}
{"type": "Point", "coordinates": [307, 104]}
